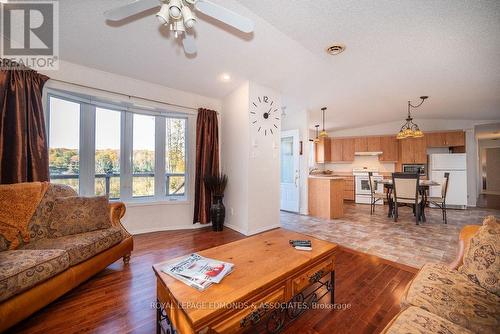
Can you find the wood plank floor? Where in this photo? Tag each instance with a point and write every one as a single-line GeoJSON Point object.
{"type": "Point", "coordinates": [119, 299]}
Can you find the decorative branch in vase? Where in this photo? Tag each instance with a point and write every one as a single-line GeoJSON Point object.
{"type": "Point", "coordinates": [216, 184]}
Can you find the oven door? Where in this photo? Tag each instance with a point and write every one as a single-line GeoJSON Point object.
{"type": "Point", "coordinates": [362, 185]}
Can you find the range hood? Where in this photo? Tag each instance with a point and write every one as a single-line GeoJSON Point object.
{"type": "Point", "coordinates": [368, 153]}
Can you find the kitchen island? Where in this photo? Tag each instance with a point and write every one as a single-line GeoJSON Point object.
{"type": "Point", "coordinates": [326, 196]}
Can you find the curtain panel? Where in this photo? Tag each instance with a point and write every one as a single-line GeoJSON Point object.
{"type": "Point", "coordinates": [207, 162]}
{"type": "Point", "coordinates": [23, 142]}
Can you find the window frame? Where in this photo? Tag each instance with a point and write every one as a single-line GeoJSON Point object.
{"type": "Point", "coordinates": [88, 105]}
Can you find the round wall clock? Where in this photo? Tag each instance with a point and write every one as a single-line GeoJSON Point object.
{"type": "Point", "coordinates": [264, 115]}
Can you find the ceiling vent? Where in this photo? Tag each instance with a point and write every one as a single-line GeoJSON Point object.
{"type": "Point", "coordinates": [335, 49]}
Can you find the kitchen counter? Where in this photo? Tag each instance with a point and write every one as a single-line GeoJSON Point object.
{"type": "Point", "coordinates": [326, 196]}
{"type": "Point", "coordinates": [331, 177]}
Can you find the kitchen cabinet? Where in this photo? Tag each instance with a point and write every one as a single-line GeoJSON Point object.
{"type": "Point", "coordinates": [336, 152]}
{"type": "Point", "coordinates": [413, 150]}
{"type": "Point", "coordinates": [445, 139]}
{"type": "Point", "coordinates": [455, 138]}
{"type": "Point", "coordinates": [374, 144]}
{"type": "Point", "coordinates": [323, 150]}
{"type": "Point", "coordinates": [348, 149]}
{"type": "Point", "coordinates": [361, 144]}
{"type": "Point", "coordinates": [325, 197]}
{"type": "Point", "coordinates": [389, 146]}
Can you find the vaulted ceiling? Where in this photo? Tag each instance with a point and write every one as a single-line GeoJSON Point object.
{"type": "Point", "coordinates": [395, 51]}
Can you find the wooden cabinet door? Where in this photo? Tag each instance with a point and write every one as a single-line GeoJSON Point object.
{"type": "Point", "coordinates": [435, 139]}
{"type": "Point", "coordinates": [348, 149]}
{"type": "Point", "coordinates": [373, 144]}
{"type": "Point", "coordinates": [360, 144]}
{"type": "Point", "coordinates": [455, 138]}
{"type": "Point", "coordinates": [389, 145]}
{"type": "Point", "coordinates": [336, 149]}
{"type": "Point", "coordinates": [407, 151]}
{"type": "Point", "coordinates": [323, 150]}
{"type": "Point", "coordinates": [419, 150]}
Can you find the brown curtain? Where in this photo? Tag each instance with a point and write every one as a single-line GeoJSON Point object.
{"type": "Point", "coordinates": [23, 143]}
{"type": "Point", "coordinates": [207, 162]}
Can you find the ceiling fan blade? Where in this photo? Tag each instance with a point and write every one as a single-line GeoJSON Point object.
{"type": "Point", "coordinates": [225, 15]}
{"type": "Point", "coordinates": [189, 44]}
{"type": "Point", "coordinates": [130, 9]}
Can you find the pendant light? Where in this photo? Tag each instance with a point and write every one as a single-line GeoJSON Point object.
{"type": "Point", "coordinates": [323, 132]}
{"type": "Point", "coordinates": [316, 140]}
{"type": "Point", "coordinates": [410, 129]}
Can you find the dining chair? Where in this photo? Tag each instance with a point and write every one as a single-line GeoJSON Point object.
{"type": "Point", "coordinates": [374, 195]}
{"type": "Point", "coordinates": [405, 192]}
{"type": "Point", "coordinates": [440, 202]}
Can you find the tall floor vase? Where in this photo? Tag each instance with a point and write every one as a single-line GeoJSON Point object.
{"type": "Point", "coordinates": [217, 213]}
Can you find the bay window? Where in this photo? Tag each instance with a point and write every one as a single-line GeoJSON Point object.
{"type": "Point", "coordinates": [109, 148]}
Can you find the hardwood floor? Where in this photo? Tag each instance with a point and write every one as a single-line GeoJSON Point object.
{"type": "Point", "coordinates": [118, 300]}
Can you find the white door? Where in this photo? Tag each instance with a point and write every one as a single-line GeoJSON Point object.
{"type": "Point", "coordinates": [290, 171]}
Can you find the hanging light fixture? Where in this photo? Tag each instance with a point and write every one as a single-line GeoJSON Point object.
{"type": "Point", "coordinates": [323, 132]}
{"type": "Point", "coordinates": [316, 140]}
{"type": "Point", "coordinates": [410, 129]}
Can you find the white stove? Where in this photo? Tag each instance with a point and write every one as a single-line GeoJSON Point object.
{"type": "Point", "coordinates": [362, 184]}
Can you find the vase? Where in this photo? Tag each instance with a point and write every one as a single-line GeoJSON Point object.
{"type": "Point", "coordinates": [217, 213]}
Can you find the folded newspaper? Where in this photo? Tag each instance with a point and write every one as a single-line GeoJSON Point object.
{"type": "Point", "coordinates": [198, 271]}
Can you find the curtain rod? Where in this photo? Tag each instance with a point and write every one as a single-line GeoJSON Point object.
{"type": "Point", "coordinates": [129, 96]}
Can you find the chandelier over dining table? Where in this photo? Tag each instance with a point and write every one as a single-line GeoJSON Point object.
{"type": "Point", "coordinates": [409, 128]}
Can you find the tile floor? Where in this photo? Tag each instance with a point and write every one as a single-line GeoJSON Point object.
{"type": "Point", "coordinates": [402, 241]}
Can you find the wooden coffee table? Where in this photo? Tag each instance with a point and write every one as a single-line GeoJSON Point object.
{"type": "Point", "coordinates": [271, 285]}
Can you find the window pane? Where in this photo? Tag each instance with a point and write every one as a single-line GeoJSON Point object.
{"type": "Point", "coordinates": [64, 142]}
{"type": "Point", "coordinates": [175, 155]}
{"type": "Point", "coordinates": [143, 156]}
{"type": "Point", "coordinates": [107, 152]}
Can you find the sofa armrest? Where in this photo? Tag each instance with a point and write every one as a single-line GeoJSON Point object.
{"type": "Point", "coordinates": [466, 234]}
{"type": "Point", "coordinates": [116, 212]}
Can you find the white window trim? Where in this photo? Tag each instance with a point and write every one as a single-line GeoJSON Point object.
{"type": "Point", "coordinates": [87, 143]}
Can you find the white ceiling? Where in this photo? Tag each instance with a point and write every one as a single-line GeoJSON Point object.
{"type": "Point", "coordinates": [396, 50]}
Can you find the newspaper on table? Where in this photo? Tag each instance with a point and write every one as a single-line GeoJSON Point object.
{"type": "Point", "coordinates": [198, 271]}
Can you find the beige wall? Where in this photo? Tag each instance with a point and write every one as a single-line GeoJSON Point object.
{"type": "Point", "coordinates": [493, 169]}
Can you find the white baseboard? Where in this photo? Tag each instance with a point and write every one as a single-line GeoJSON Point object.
{"type": "Point", "coordinates": [236, 228]}
{"type": "Point", "coordinates": [166, 228]}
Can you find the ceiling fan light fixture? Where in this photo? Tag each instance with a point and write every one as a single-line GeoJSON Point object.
{"type": "Point", "coordinates": [188, 16]}
{"type": "Point", "coordinates": [191, 2]}
{"type": "Point", "coordinates": [163, 15]}
{"type": "Point", "coordinates": [174, 8]}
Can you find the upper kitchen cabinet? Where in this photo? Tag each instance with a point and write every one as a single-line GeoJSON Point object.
{"type": "Point", "coordinates": [413, 150]}
{"type": "Point", "coordinates": [455, 138]}
{"type": "Point", "coordinates": [336, 151]}
{"type": "Point", "coordinates": [323, 150]}
{"type": "Point", "coordinates": [389, 146]}
{"type": "Point", "coordinates": [374, 144]}
{"type": "Point", "coordinates": [361, 144]}
{"type": "Point", "coordinates": [445, 139]}
{"type": "Point", "coordinates": [348, 149]}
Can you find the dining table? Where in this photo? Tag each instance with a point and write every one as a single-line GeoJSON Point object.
{"type": "Point", "coordinates": [423, 189]}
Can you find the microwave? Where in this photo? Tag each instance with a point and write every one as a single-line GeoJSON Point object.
{"type": "Point", "coordinates": [415, 169]}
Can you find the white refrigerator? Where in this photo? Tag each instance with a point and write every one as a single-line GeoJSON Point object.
{"type": "Point", "coordinates": [455, 164]}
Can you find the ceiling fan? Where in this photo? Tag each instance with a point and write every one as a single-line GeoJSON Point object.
{"type": "Point", "coordinates": [179, 16]}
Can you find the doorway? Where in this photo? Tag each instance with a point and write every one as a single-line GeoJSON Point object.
{"type": "Point", "coordinates": [289, 178]}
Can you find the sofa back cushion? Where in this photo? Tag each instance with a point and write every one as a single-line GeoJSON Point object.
{"type": "Point", "coordinates": [39, 224]}
{"type": "Point", "coordinates": [482, 256]}
{"type": "Point", "coordinates": [73, 215]}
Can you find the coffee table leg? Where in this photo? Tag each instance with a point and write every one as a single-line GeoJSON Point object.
{"type": "Point", "coordinates": [158, 317]}
{"type": "Point", "coordinates": [332, 293]}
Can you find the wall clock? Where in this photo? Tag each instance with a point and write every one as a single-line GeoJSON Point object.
{"type": "Point", "coordinates": [264, 115]}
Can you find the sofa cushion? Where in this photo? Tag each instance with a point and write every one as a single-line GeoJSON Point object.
{"type": "Point", "coordinates": [452, 296]}
{"type": "Point", "coordinates": [417, 320]}
{"type": "Point", "coordinates": [75, 214]}
{"type": "Point", "coordinates": [482, 256]}
{"type": "Point", "coordinates": [23, 269]}
{"type": "Point", "coordinates": [38, 226]}
{"type": "Point", "coordinates": [83, 246]}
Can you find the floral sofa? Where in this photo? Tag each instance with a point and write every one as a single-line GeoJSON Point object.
{"type": "Point", "coordinates": [59, 256]}
{"type": "Point", "coordinates": [461, 298]}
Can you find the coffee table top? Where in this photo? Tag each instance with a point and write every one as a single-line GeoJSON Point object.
{"type": "Point", "coordinates": [259, 261]}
